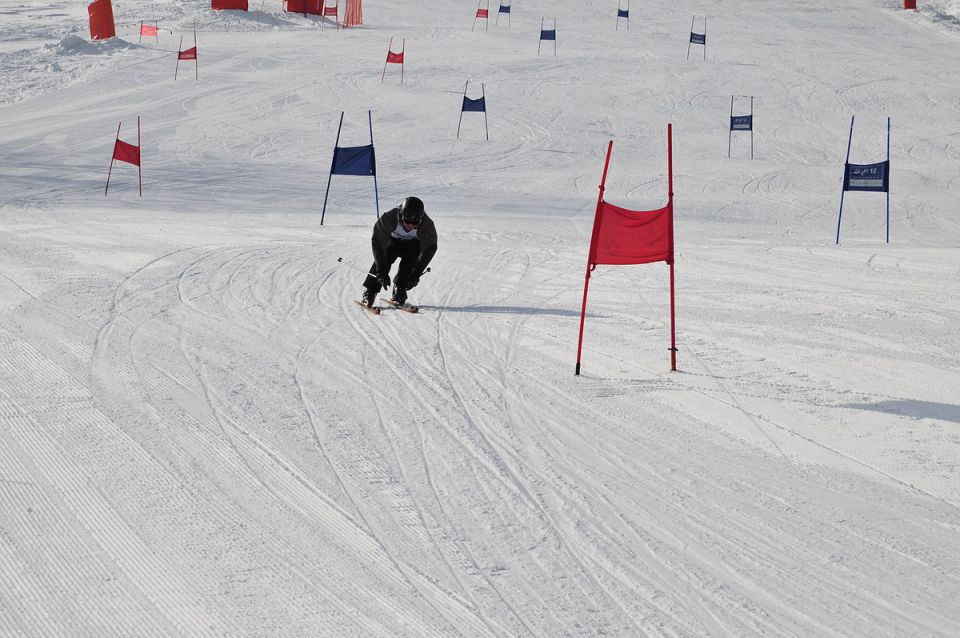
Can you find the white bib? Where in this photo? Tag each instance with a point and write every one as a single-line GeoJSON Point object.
{"type": "Point", "coordinates": [403, 234]}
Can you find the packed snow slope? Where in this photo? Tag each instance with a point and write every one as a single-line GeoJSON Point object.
{"type": "Point", "coordinates": [201, 434]}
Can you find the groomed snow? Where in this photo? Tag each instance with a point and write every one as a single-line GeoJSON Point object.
{"type": "Point", "coordinates": [200, 434]}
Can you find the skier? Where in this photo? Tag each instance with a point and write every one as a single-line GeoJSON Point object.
{"type": "Point", "coordinates": [404, 231]}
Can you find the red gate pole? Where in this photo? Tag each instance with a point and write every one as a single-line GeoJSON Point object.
{"type": "Point", "coordinates": [593, 238]}
{"type": "Point", "coordinates": [139, 167]}
{"type": "Point", "coordinates": [196, 57]}
{"type": "Point", "coordinates": [179, 49]}
{"type": "Point", "coordinates": [673, 314]}
{"type": "Point", "coordinates": [112, 155]}
{"type": "Point", "coordinates": [389, 48]}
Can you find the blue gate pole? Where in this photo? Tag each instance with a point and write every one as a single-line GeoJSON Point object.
{"type": "Point", "coordinates": [333, 164]}
{"type": "Point", "coordinates": [842, 189]}
{"type": "Point", "coordinates": [730, 126]}
{"type": "Point", "coordinates": [888, 179]}
{"type": "Point", "coordinates": [483, 94]}
{"type": "Point", "coordinates": [461, 108]}
{"type": "Point", "coordinates": [376, 192]}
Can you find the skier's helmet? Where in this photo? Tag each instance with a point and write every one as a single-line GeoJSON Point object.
{"type": "Point", "coordinates": [411, 210]}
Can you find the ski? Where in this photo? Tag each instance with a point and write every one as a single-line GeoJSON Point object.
{"type": "Point", "coordinates": [372, 311]}
{"type": "Point", "coordinates": [405, 307]}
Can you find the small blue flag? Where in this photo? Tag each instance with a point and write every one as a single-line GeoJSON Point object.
{"type": "Point", "coordinates": [479, 105]}
{"type": "Point", "coordinates": [741, 122]}
{"type": "Point", "coordinates": [354, 160]}
{"type": "Point", "coordinates": [867, 177]}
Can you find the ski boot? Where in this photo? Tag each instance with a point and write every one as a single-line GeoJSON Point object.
{"type": "Point", "coordinates": [399, 296]}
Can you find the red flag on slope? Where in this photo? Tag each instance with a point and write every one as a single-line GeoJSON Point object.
{"type": "Point", "coordinates": [124, 152]}
{"type": "Point", "coordinates": [146, 29]}
{"type": "Point", "coordinates": [189, 54]}
{"type": "Point", "coordinates": [622, 236]}
{"type": "Point", "coordinates": [395, 58]}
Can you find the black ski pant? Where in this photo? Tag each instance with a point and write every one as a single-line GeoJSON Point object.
{"type": "Point", "coordinates": [409, 253]}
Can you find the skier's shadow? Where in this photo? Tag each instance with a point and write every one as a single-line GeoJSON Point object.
{"type": "Point", "coordinates": [914, 409]}
{"type": "Point", "coordinates": [500, 310]}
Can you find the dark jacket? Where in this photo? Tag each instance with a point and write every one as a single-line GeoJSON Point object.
{"type": "Point", "coordinates": [426, 233]}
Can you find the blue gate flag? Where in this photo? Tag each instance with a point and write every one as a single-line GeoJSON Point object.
{"type": "Point", "coordinates": [623, 13]}
{"type": "Point", "coordinates": [698, 38]}
{"type": "Point", "coordinates": [548, 35]}
{"type": "Point", "coordinates": [478, 105]}
{"type": "Point", "coordinates": [504, 8]}
{"type": "Point", "coordinates": [867, 177]}
{"type": "Point", "coordinates": [354, 160]}
{"type": "Point", "coordinates": [741, 122]}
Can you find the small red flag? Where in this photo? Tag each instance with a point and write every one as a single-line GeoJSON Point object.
{"type": "Point", "coordinates": [482, 13]}
{"type": "Point", "coordinates": [622, 236]}
{"type": "Point", "coordinates": [124, 152]}
{"type": "Point", "coordinates": [146, 29]}
{"type": "Point", "coordinates": [330, 11]}
{"type": "Point", "coordinates": [189, 54]}
{"type": "Point", "coordinates": [396, 58]}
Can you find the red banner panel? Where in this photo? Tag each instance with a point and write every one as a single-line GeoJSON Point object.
{"type": "Point", "coordinates": [396, 58]}
{"type": "Point", "coordinates": [220, 5]}
{"type": "Point", "coordinates": [313, 7]}
{"type": "Point", "coordinates": [101, 20]}
{"type": "Point", "coordinates": [353, 14]}
{"type": "Point", "coordinates": [189, 54]}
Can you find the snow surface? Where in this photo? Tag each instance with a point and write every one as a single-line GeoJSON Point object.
{"type": "Point", "coordinates": [201, 434]}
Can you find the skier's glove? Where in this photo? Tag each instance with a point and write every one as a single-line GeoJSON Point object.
{"type": "Point", "coordinates": [384, 280]}
{"type": "Point", "coordinates": [413, 279]}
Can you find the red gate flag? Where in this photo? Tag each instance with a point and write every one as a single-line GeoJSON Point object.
{"type": "Point", "coordinates": [482, 13]}
{"type": "Point", "coordinates": [330, 10]}
{"type": "Point", "coordinates": [125, 152]}
{"type": "Point", "coordinates": [621, 236]}
{"type": "Point", "coordinates": [394, 58]}
{"type": "Point", "coordinates": [188, 54]}
{"type": "Point", "coordinates": [146, 29]}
